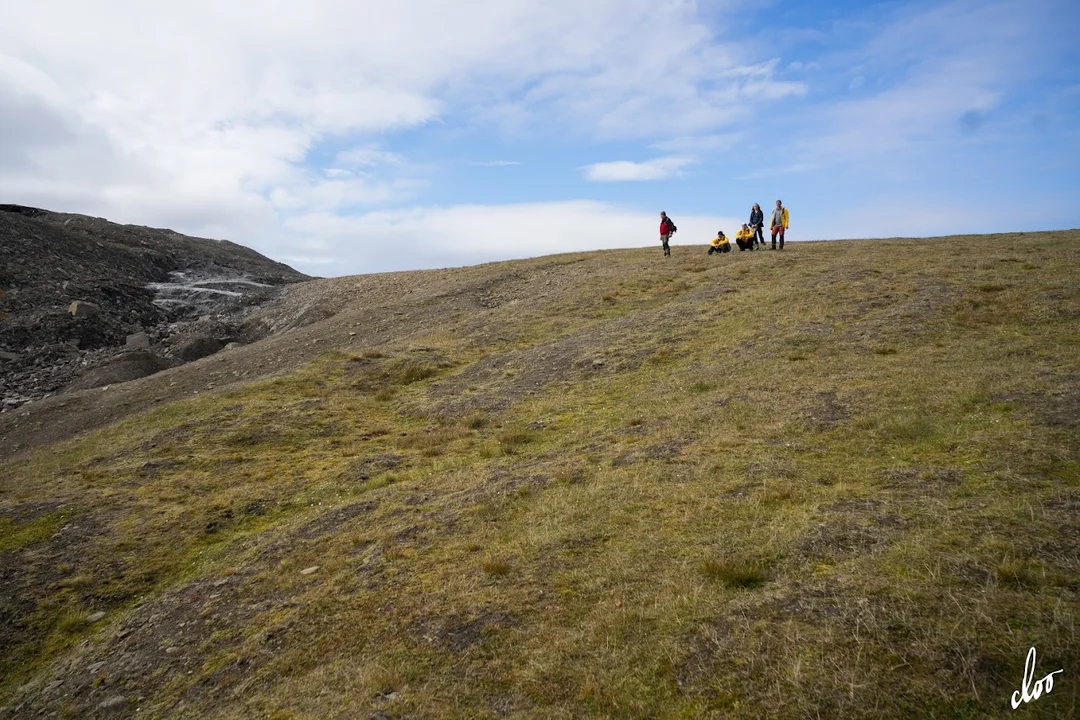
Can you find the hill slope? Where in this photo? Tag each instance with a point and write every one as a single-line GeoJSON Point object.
{"type": "Point", "coordinates": [836, 481]}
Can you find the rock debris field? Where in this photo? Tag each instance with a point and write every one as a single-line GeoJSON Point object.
{"type": "Point", "coordinates": [87, 303]}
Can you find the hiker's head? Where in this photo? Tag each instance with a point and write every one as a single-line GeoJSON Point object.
{"type": "Point", "coordinates": [745, 225]}
{"type": "Point", "coordinates": [663, 214]}
{"type": "Point", "coordinates": [779, 204]}
{"type": "Point", "coordinates": [756, 206]}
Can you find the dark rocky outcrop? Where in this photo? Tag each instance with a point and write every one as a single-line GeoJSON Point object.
{"type": "Point", "coordinates": [74, 288]}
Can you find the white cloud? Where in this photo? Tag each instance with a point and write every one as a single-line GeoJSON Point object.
{"type": "Point", "coordinates": [800, 66]}
{"type": "Point", "coordinates": [366, 156]}
{"type": "Point", "coordinates": [329, 194]}
{"type": "Point", "coordinates": [909, 214]}
{"type": "Point", "coordinates": [224, 119]}
{"type": "Point", "coordinates": [426, 237]}
{"type": "Point", "coordinates": [338, 66]}
{"type": "Point", "coordinates": [619, 170]}
{"type": "Point", "coordinates": [925, 108]}
{"type": "Point", "coordinates": [760, 84]}
{"type": "Point", "coordinates": [206, 115]}
{"type": "Point", "coordinates": [947, 65]}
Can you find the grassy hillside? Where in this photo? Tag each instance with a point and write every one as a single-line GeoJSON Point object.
{"type": "Point", "coordinates": [838, 481]}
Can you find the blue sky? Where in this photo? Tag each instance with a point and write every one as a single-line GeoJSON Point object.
{"type": "Point", "coordinates": [346, 137]}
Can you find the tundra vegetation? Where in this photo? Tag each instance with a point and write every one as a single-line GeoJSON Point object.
{"type": "Point", "coordinates": [838, 481]}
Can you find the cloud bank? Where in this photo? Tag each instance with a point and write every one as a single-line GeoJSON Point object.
{"type": "Point", "coordinates": [332, 132]}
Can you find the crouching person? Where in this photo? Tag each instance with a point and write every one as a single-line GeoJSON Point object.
{"type": "Point", "coordinates": [720, 243]}
{"type": "Point", "coordinates": [745, 238]}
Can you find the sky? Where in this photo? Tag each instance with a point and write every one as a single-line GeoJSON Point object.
{"type": "Point", "coordinates": [355, 136]}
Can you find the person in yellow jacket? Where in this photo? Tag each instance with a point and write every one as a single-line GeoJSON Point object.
{"type": "Point", "coordinates": [744, 238]}
{"type": "Point", "coordinates": [779, 223]}
{"type": "Point", "coordinates": [719, 243]}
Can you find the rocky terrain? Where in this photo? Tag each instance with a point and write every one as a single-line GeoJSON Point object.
{"type": "Point", "coordinates": [85, 302]}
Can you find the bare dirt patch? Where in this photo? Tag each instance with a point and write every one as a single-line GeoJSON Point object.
{"type": "Point", "coordinates": [459, 632]}
{"type": "Point", "coordinates": [330, 522]}
{"type": "Point", "coordinates": [503, 379]}
{"type": "Point", "coordinates": [850, 528]}
{"type": "Point", "coordinates": [373, 466]}
{"type": "Point", "coordinates": [922, 479]}
{"type": "Point", "coordinates": [830, 413]}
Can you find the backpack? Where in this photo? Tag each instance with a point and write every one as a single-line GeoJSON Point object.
{"type": "Point", "coordinates": [671, 226]}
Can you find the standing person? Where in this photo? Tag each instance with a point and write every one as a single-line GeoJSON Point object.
{"type": "Point", "coordinates": [757, 221]}
{"type": "Point", "coordinates": [779, 223]}
{"type": "Point", "coordinates": [667, 229]}
{"type": "Point", "coordinates": [744, 238]}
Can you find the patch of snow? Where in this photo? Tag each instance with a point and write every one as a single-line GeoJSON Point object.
{"type": "Point", "coordinates": [172, 287]}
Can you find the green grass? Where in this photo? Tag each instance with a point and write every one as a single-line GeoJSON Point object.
{"type": "Point", "coordinates": [841, 481]}
{"type": "Point", "coordinates": [15, 534]}
{"type": "Point", "coordinates": [734, 573]}
{"type": "Point", "coordinates": [512, 440]}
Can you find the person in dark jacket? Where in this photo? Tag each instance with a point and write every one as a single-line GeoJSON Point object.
{"type": "Point", "coordinates": [757, 221]}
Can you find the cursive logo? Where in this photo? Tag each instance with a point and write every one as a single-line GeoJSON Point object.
{"type": "Point", "coordinates": [1027, 691]}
